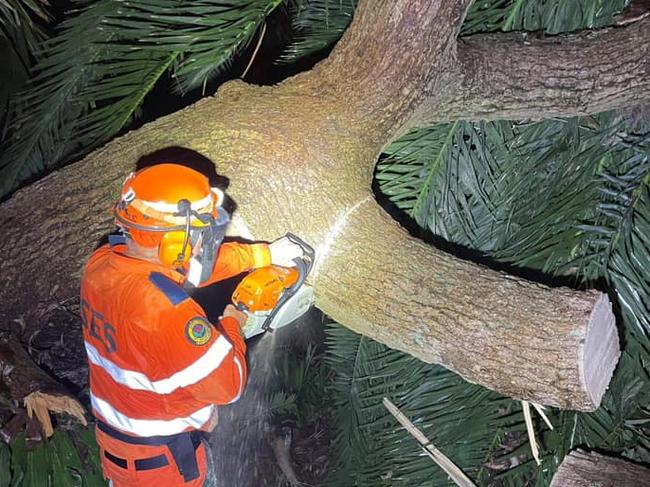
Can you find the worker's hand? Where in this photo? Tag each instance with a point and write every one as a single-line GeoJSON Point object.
{"type": "Point", "coordinates": [233, 312]}
{"type": "Point", "coordinates": [283, 251]}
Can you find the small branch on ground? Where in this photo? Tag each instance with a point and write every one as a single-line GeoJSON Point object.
{"type": "Point", "coordinates": [455, 473]}
{"type": "Point", "coordinates": [281, 446]}
{"type": "Point", "coordinates": [635, 11]}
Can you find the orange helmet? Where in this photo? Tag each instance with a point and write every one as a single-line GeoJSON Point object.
{"type": "Point", "coordinates": [173, 207]}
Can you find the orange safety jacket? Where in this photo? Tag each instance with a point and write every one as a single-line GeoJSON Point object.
{"type": "Point", "coordinates": [157, 366]}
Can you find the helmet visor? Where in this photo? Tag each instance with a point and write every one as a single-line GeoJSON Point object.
{"type": "Point", "coordinates": [205, 243]}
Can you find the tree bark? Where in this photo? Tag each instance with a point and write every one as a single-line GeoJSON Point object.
{"type": "Point", "coordinates": [527, 76]}
{"type": "Point", "coordinates": [583, 469]}
{"type": "Point", "coordinates": [300, 158]}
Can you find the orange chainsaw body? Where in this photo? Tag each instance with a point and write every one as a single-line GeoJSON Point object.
{"type": "Point", "coordinates": [262, 288]}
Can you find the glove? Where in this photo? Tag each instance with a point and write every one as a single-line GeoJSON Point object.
{"type": "Point", "coordinates": [283, 251]}
{"type": "Point", "coordinates": [233, 312]}
{"type": "Point", "coordinates": [249, 326]}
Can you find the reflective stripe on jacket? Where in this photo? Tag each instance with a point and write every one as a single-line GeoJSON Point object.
{"type": "Point", "coordinates": [157, 366]}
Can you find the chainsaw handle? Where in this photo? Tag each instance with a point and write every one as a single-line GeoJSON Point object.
{"type": "Point", "coordinates": [307, 250]}
{"type": "Point", "coordinates": [304, 265]}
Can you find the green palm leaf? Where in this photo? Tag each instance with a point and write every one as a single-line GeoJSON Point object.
{"type": "Point", "coordinates": [456, 416]}
{"type": "Point", "coordinates": [555, 16]}
{"type": "Point", "coordinates": [317, 25]}
{"type": "Point", "coordinates": [21, 33]}
{"type": "Point", "coordinates": [44, 132]}
{"type": "Point", "coordinates": [487, 16]}
{"type": "Point", "coordinates": [204, 34]}
{"type": "Point", "coordinates": [550, 16]}
{"type": "Point", "coordinates": [95, 74]}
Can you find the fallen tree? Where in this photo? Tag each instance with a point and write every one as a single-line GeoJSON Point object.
{"type": "Point", "coordinates": [300, 158]}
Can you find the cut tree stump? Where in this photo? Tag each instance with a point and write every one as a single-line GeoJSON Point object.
{"type": "Point", "coordinates": [590, 469]}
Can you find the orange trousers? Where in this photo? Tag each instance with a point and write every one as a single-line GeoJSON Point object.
{"type": "Point", "coordinates": [164, 476]}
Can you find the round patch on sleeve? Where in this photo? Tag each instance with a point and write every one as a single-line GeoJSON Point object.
{"type": "Point", "coordinates": [198, 331]}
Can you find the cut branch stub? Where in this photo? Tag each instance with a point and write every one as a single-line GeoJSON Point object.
{"type": "Point", "coordinates": [582, 469]}
{"type": "Point", "coordinates": [556, 347]}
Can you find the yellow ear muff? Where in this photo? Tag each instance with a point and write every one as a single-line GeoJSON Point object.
{"type": "Point", "coordinates": [170, 250]}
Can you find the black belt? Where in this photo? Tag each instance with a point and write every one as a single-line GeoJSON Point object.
{"type": "Point", "coordinates": [181, 445]}
{"type": "Point", "coordinates": [150, 463]}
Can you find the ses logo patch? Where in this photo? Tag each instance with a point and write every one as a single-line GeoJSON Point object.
{"type": "Point", "coordinates": [198, 331]}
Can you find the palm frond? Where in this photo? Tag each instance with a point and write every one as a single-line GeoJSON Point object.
{"type": "Point", "coordinates": [480, 184]}
{"type": "Point", "coordinates": [456, 416]}
{"type": "Point", "coordinates": [70, 458]}
{"type": "Point", "coordinates": [353, 358]}
{"type": "Point", "coordinates": [280, 403]}
{"type": "Point", "coordinates": [205, 34]}
{"type": "Point", "coordinates": [487, 16]}
{"type": "Point", "coordinates": [555, 16]}
{"type": "Point", "coordinates": [43, 133]}
{"type": "Point", "coordinates": [21, 23]}
{"type": "Point", "coordinates": [630, 257]}
{"type": "Point", "coordinates": [94, 75]}
{"type": "Point", "coordinates": [549, 16]}
{"type": "Point", "coordinates": [123, 81]}
{"type": "Point", "coordinates": [21, 33]}
{"type": "Point", "coordinates": [317, 24]}
{"type": "Point", "coordinates": [410, 164]}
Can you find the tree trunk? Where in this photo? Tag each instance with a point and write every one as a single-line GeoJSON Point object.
{"type": "Point", "coordinates": [582, 469]}
{"type": "Point", "coordinates": [300, 158]}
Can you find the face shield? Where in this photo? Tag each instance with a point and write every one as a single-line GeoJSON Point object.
{"type": "Point", "coordinates": [205, 243]}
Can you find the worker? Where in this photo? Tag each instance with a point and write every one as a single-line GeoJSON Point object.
{"type": "Point", "coordinates": [158, 367]}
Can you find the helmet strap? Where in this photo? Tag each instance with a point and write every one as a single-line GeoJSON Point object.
{"type": "Point", "coordinates": [185, 209]}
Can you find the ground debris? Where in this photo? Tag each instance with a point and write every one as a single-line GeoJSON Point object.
{"type": "Point", "coordinates": [281, 445]}
{"type": "Point", "coordinates": [40, 404]}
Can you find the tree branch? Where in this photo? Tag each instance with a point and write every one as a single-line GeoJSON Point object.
{"type": "Point", "coordinates": [393, 53]}
{"type": "Point", "coordinates": [524, 76]}
{"type": "Point", "coordinates": [553, 346]}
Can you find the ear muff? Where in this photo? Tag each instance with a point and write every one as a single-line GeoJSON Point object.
{"type": "Point", "coordinates": [170, 250]}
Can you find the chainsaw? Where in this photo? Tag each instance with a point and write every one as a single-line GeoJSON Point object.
{"type": "Point", "coordinates": [275, 296]}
